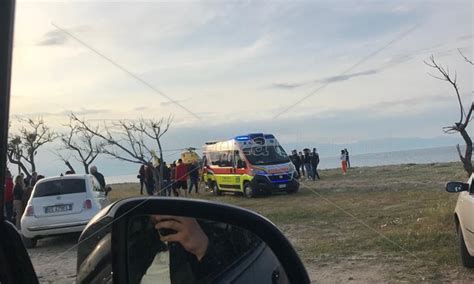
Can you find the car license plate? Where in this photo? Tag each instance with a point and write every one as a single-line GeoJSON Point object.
{"type": "Point", "coordinates": [282, 185]}
{"type": "Point", "coordinates": [57, 208]}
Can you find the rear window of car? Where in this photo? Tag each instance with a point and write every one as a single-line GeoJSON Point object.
{"type": "Point", "coordinates": [59, 187]}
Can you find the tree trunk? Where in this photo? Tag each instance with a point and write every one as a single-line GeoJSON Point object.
{"type": "Point", "coordinates": [86, 168]}
{"type": "Point", "coordinates": [467, 159]}
{"type": "Point", "coordinates": [32, 161]}
{"type": "Point", "coordinates": [162, 193]}
{"type": "Point", "coordinates": [69, 166]}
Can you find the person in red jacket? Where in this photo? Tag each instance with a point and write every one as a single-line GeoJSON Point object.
{"type": "Point", "coordinates": [8, 196]}
{"type": "Point", "coordinates": [181, 177]}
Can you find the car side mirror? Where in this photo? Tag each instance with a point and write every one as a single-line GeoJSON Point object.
{"type": "Point", "coordinates": [178, 240]}
{"type": "Point", "coordinates": [454, 186]}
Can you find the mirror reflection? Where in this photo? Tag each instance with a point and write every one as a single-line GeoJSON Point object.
{"type": "Point", "coordinates": [175, 249]}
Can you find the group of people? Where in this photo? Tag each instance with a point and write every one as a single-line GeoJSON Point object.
{"type": "Point", "coordinates": [174, 179]}
{"type": "Point", "coordinates": [345, 161]}
{"type": "Point", "coordinates": [306, 163]}
{"type": "Point", "coordinates": [16, 195]}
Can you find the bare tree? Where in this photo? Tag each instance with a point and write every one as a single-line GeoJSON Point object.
{"type": "Point", "coordinates": [82, 144]}
{"type": "Point", "coordinates": [129, 141]}
{"type": "Point", "coordinates": [464, 114]}
{"type": "Point", "coordinates": [23, 147]}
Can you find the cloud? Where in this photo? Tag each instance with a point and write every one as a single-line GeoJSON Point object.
{"type": "Point", "coordinates": [346, 77]}
{"type": "Point", "coordinates": [54, 37]}
{"type": "Point", "coordinates": [58, 37]}
{"type": "Point", "coordinates": [464, 37]}
{"type": "Point", "coordinates": [82, 111]}
{"type": "Point", "coordinates": [331, 79]}
{"type": "Point", "coordinates": [140, 108]}
{"type": "Point", "coordinates": [172, 102]}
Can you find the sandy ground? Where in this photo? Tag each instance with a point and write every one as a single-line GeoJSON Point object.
{"type": "Point", "coordinates": [54, 259]}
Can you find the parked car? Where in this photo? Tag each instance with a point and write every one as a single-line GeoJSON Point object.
{"type": "Point", "coordinates": [464, 218]}
{"type": "Point", "coordinates": [60, 205]}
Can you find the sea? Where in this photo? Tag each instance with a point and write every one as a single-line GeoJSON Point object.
{"type": "Point", "coordinates": [417, 156]}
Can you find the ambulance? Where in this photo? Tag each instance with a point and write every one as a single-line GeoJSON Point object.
{"type": "Point", "coordinates": [249, 164]}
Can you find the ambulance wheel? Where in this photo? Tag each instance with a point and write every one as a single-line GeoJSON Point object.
{"type": "Point", "coordinates": [248, 190]}
{"type": "Point", "coordinates": [215, 189]}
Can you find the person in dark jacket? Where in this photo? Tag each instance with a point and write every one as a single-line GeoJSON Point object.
{"type": "Point", "coordinates": [347, 158]}
{"type": "Point", "coordinates": [166, 185]}
{"type": "Point", "coordinates": [295, 159]}
{"type": "Point", "coordinates": [8, 196]}
{"type": "Point", "coordinates": [100, 177]}
{"type": "Point", "coordinates": [150, 179]}
{"type": "Point", "coordinates": [18, 192]}
{"type": "Point", "coordinates": [142, 178]}
{"type": "Point", "coordinates": [193, 176]}
{"type": "Point", "coordinates": [307, 164]}
{"type": "Point", "coordinates": [315, 163]}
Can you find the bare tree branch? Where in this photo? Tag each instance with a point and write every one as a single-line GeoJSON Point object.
{"type": "Point", "coordinates": [465, 57]}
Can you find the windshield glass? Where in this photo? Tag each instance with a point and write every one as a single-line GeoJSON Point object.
{"type": "Point", "coordinates": [260, 156]}
{"type": "Point", "coordinates": [59, 187]}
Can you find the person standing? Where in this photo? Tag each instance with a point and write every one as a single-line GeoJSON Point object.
{"type": "Point", "coordinates": [173, 178]}
{"type": "Point", "coordinates": [100, 177]}
{"type": "Point", "coordinates": [142, 177]}
{"type": "Point", "coordinates": [181, 177]}
{"type": "Point", "coordinates": [193, 176]}
{"type": "Point", "coordinates": [315, 163]}
{"type": "Point", "coordinates": [301, 156]}
{"type": "Point", "coordinates": [150, 179]}
{"type": "Point", "coordinates": [343, 162]}
{"type": "Point", "coordinates": [296, 162]}
{"type": "Point", "coordinates": [347, 158]}
{"type": "Point", "coordinates": [307, 164]}
{"type": "Point", "coordinates": [8, 196]}
{"type": "Point", "coordinates": [166, 185]}
{"type": "Point", "coordinates": [18, 192]}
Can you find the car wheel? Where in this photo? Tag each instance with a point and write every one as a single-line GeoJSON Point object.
{"type": "Point", "coordinates": [248, 190]}
{"type": "Point", "coordinates": [29, 242]}
{"type": "Point", "coordinates": [466, 258]}
{"type": "Point", "coordinates": [215, 189]}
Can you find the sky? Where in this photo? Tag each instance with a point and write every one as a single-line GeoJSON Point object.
{"type": "Point", "coordinates": [310, 72]}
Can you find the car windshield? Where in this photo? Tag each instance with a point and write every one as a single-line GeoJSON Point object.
{"type": "Point", "coordinates": [270, 155]}
{"type": "Point", "coordinates": [373, 100]}
{"type": "Point", "coordinates": [60, 187]}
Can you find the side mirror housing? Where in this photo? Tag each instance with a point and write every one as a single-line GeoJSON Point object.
{"type": "Point", "coordinates": [125, 243]}
{"type": "Point", "coordinates": [454, 186]}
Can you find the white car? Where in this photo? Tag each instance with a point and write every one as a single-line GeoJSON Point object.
{"type": "Point", "coordinates": [464, 219]}
{"type": "Point", "coordinates": [60, 205]}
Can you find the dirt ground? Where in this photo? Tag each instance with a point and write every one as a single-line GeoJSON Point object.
{"type": "Point", "coordinates": [54, 259]}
